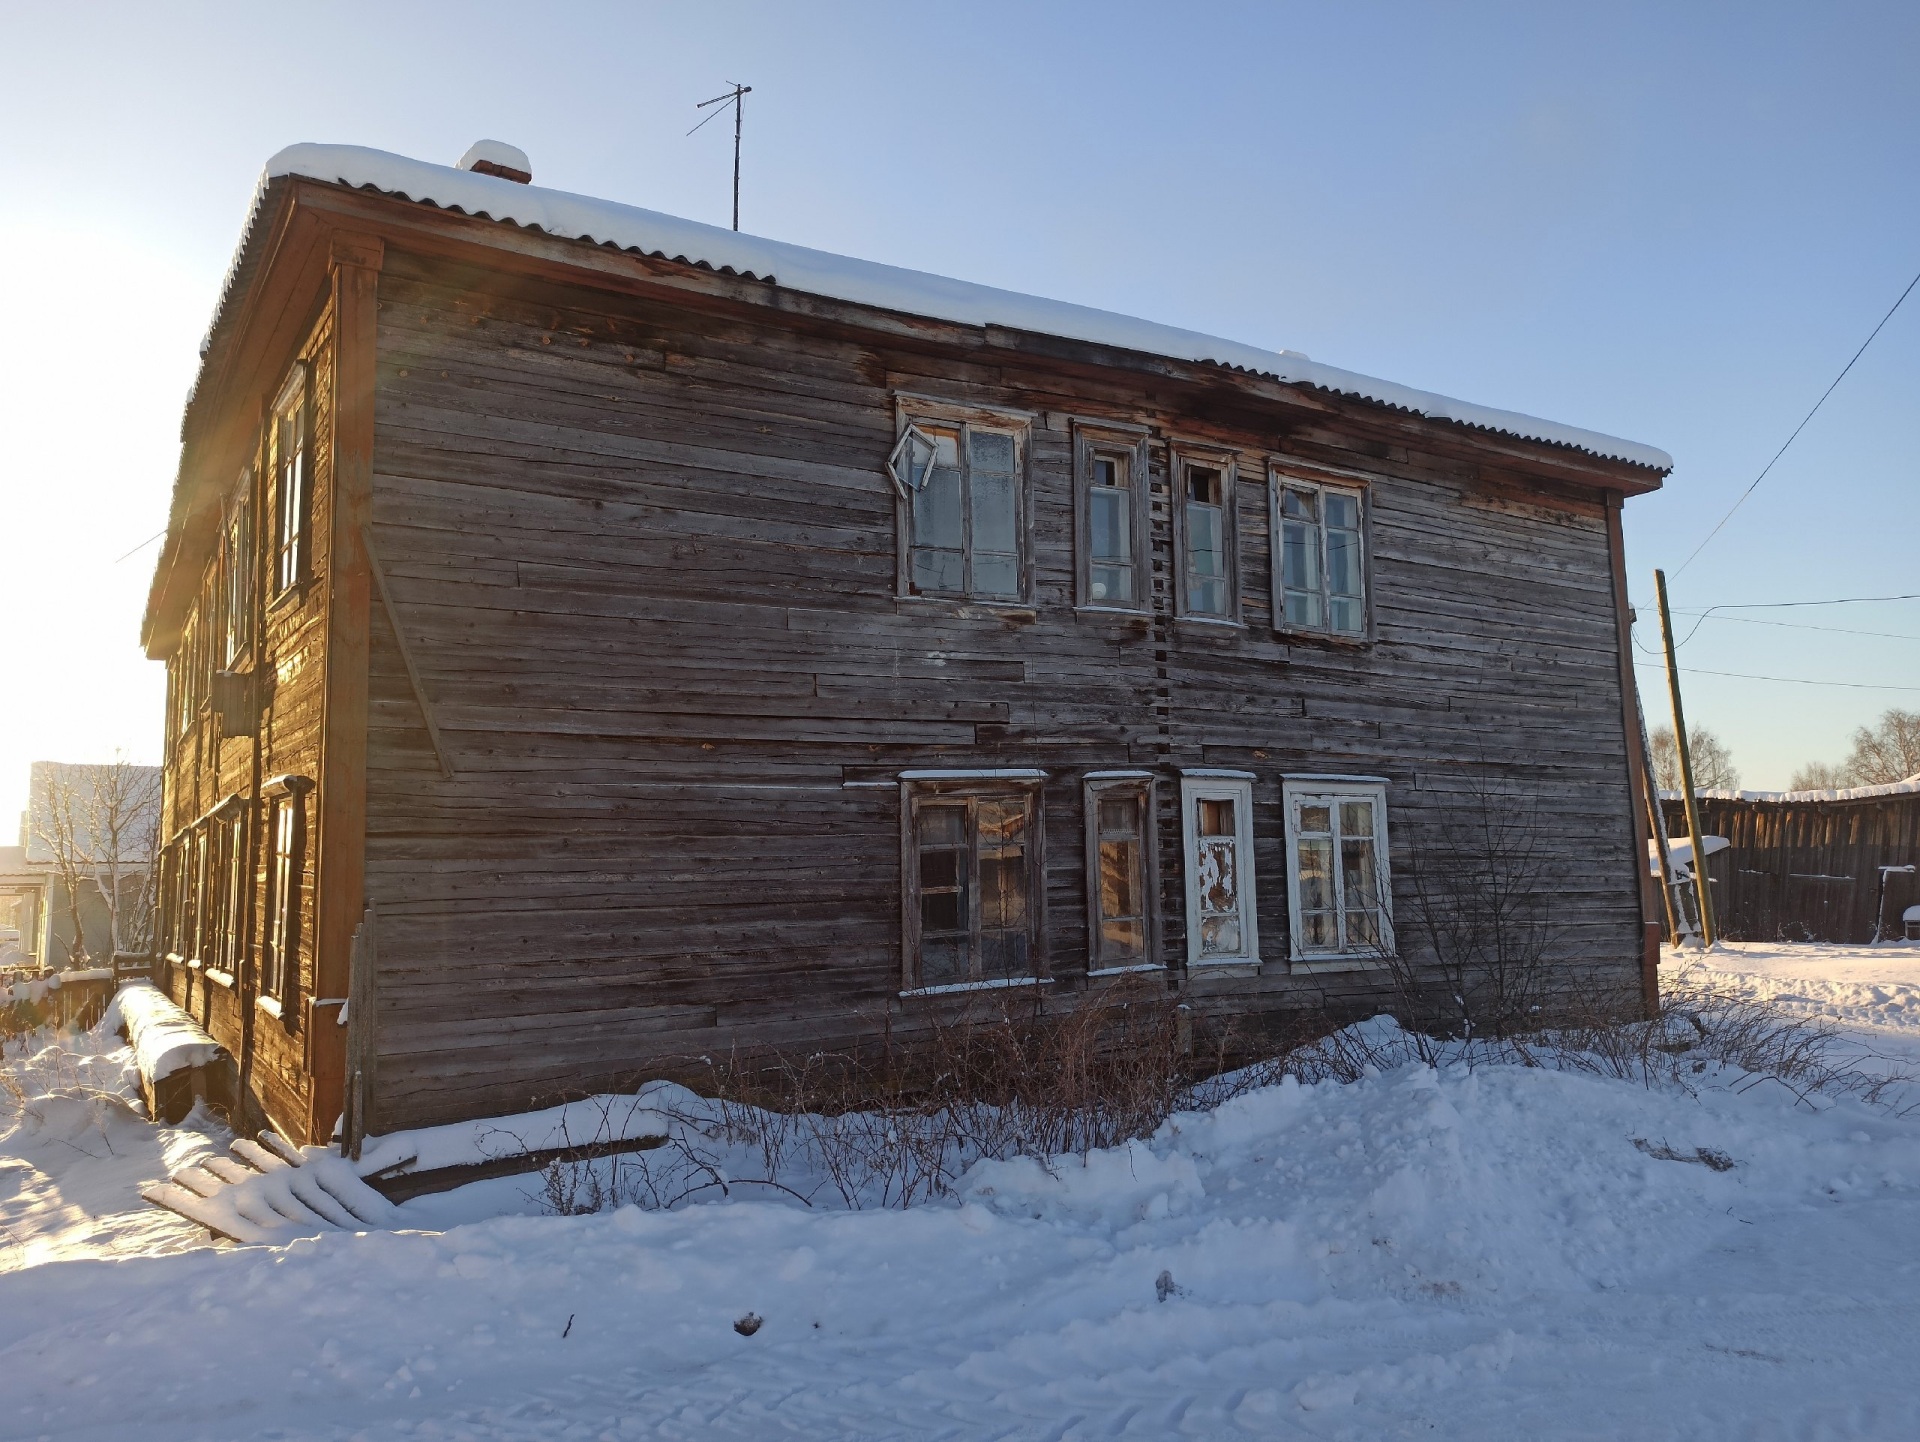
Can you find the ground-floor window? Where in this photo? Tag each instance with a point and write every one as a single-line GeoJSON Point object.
{"type": "Point", "coordinates": [971, 864]}
{"type": "Point", "coordinates": [1216, 825]}
{"type": "Point", "coordinates": [1120, 870]}
{"type": "Point", "coordinates": [286, 861]}
{"type": "Point", "coordinates": [1338, 898]}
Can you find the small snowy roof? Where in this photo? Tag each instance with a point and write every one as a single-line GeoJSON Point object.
{"type": "Point", "coordinates": [887, 287]}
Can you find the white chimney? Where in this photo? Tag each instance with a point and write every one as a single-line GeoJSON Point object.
{"type": "Point", "coordinates": [496, 157]}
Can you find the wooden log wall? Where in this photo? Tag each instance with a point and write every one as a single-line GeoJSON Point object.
{"type": "Point", "coordinates": [205, 767]}
{"type": "Point", "coordinates": [641, 552]}
{"type": "Point", "coordinates": [1809, 870]}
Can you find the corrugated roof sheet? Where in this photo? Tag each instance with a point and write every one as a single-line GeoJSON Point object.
{"type": "Point", "coordinates": [862, 282]}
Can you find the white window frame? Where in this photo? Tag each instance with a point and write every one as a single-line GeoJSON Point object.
{"type": "Point", "coordinates": [292, 487]}
{"type": "Point", "coordinates": [1294, 792]}
{"type": "Point", "coordinates": [1237, 787]}
{"type": "Point", "coordinates": [1279, 481]}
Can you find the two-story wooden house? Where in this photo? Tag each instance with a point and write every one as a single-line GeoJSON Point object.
{"type": "Point", "coordinates": [683, 640]}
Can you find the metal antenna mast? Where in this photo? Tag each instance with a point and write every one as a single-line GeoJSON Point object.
{"type": "Point", "coordinates": [733, 97]}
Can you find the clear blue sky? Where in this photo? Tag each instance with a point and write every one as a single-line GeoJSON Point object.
{"type": "Point", "coordinates": [1674, 223]}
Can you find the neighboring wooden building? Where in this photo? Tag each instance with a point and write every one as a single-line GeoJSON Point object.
{"type": "Point", "coordinates": [686, 641]}
{"type": "Point", "coordinates": [1836, 866]}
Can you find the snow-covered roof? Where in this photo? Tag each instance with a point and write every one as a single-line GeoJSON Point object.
{"type": "Point", "coordinates": [1909, 787]}
{"type": "Point", "coordinates": [887, 287]}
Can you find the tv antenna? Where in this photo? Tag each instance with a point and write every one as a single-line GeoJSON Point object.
{"type": "Point", "coordinates": [735, 98]}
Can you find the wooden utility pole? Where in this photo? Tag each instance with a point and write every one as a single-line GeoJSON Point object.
{"type": "Point", "coordinates": [1702, 887]}
{"type": "Point", "coordinates": [736, 97]}
{"type": "Point", "coordinates": [1657, 828]}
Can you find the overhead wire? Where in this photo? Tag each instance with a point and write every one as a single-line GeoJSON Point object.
{"type": "Point", "coordinates": [1799, 428]}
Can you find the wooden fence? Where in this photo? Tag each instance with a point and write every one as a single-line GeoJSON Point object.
{"type": "Point", "coordinates": [1810, 870]}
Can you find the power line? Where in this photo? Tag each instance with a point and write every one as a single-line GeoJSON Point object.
{"type": "Point", "coordinates": [141, 547]}
{"type": "Point", "coordinates": [1784, 680]}
{"type": "Point", "coordinates": [1801, 427]}
{"type": "Point", "coordinates": [1803, 626]}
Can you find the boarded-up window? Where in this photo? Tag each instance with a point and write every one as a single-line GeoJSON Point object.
{"type": "Point", "coordinates": [1203, 506]}
{"type": "Point", "coordinates": [1319, 558]}
{"type": "Point", "coordinates": [961, 483]}
{"type": "Point", "coordinates": [292, 485]}
{"type": "Point", "coordinates": [971, 867]}
{"type": "Point", "coordinates": [1339, 900]}
{"type": "Point", "coordinates": [1120, 873]}
{"type": "Point", "coordinates": [1217, 827]}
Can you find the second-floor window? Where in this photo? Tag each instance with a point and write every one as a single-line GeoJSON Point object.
{"type": "Point", "coordinates": [1205, 536]}
{"type": "Point", "coordinates": [961, 483]}
{"type": "Point", "coordinates": [292, 484]}
{"type": "Point", "coordinates": [1110, 479]}
{"type": "Point", "coordinates": [280, 956]}
{"type": "Point", "coordinates": [1319, 558]}
{"type": "Point", "coordinates": [237, 569]}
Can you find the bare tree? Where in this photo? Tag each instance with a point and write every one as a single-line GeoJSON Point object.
{"type": "Point", "coordinates": [1713, 768]}
{"type": "Point", "coordinates": [99, 825]}
{"type": "Point", "coordinates": [1819, 776]}
{"type": "Point", "coordinates": [1483, 892]}
{"type": "Point", "coordinates": [1887, 751]}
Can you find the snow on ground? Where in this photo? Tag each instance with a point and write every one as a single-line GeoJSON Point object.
{"type": "Point", "coordinates": [1479, 1254]}
{"type": "Point", "coordinates": [74, 1147]}
{"type": "Point", "coordinates": [1871, 994]}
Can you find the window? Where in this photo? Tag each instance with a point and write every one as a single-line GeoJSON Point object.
{"type": "Point", "coordinates": [1205, 536]}
{"type": "Point", "coordinates": [237, 569]}
{"type": "Point", "coordinates": [292, 485]}
{"type": "Point", "coordinates": [1112, 562]}
{"type": "Point", "coordinates": [1339, 901]}
{"type": "Point", "coordinates": [1217, 827]}
{"type": "Point", "coordinates": [233, 880]}
{"type": "Point", "coordinates": [1319, 558]}
{"type": "Point", "coordinates": [971, 868]}
{"type": "Point", "coordinates": [960, 484]}
{"type": "Point", "coordinates": [196, 910]}
{"type": "Point", "coordinates": [286, 833]}
{"type": "Point", "coordinates": [1120, 872]}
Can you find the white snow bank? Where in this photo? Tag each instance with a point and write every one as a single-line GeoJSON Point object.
{"type": "Point", "coordinates": [460, 1144]}
{"type": "Point", "coordinates": [1871, 992]}
{"type": "Point", "coordinates": [1476, 1255]}
{"type": "Point", "coordinates": [164, 1038]}
{"type": "Point", "coordinates": [815, 272]}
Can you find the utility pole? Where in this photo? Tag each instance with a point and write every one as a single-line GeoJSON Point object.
{"type": "Point", "coordinates": [736, 98]}
{"type": "Point", "coordinates": [1702, 887]}
{"type": "Point", "coordinates": [1677, 928]}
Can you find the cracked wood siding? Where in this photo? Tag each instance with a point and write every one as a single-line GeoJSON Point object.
{"type": "Point", "coordinates": [644, 553]}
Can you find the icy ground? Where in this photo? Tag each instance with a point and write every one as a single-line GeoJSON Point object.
{"type": "Point", "coordinates": [1479, 1254]}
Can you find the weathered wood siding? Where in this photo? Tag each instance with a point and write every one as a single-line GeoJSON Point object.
{"type": "Point", "coordinates": [204, 768]}
{"type": "Point", "coordinates": [643, 555]}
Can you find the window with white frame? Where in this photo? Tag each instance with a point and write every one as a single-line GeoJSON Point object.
{"type": "Point", "coordinates": [1112, 560]}
{"type": "Point", "coordinates": [1120, 871]}
{"type": "Point", "coordinates": [1216, 824]}
{"type": "Point", "coordinates": [1319, 557]}
{"type": "Point", "coordinates": [960, 485]}
{"type": "Point", "coordinates": [292, 485]}
{"type": "Point", "coordinates": [971, 867]}
{"type": "Point", "coordinates": [1339, 897]}
{"type": "Point", "coordinates": [1205, 536]}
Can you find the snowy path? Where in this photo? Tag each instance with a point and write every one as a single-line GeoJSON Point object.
{"type": "Point", "coordinates": [1481, 1255]}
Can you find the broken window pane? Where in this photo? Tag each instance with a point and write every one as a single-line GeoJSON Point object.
{"type": "Point", "coordinates": [965, 517]}
{"type": "Point", "coordinates": [1216, 815]}
{"type": "Point", "coordinates": [972, 882]}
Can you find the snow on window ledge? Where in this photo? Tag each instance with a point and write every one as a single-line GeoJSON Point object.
{"type": "Point", "coordinates": [1126, 970]}
{"type": "Point", "coordinates": [219, 977]}
{"type": "Point", "coordinates": [269, 1004]}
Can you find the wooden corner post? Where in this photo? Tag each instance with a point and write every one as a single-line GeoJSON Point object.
{"type": "Point", "coordinates": [1638, 782]}
{"type": "Point", "coordinates": [341, 809]}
